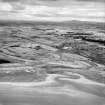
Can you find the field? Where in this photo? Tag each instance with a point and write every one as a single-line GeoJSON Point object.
{"type": "Point", "coordinates": [52, 63]}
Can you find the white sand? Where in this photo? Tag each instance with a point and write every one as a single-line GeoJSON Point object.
{"type": "Point", "coordinates": [82, 80]}
{"type": "Point", "coordinates": [49, 80]}
{"type": "Point", "coordinates": [76, 64]}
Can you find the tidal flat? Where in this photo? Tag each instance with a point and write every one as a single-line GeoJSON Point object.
{"type": "Point", "coordinates": [52, 63]}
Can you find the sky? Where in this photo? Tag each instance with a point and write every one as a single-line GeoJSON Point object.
{"type": "Point", "coordinates": [53, 10]}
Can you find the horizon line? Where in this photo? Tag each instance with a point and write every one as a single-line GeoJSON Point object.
{"type": "Point", "coordinates": [1, 20]}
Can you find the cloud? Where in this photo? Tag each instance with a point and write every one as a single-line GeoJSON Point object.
{"type": "Point", "coordinates": [52, 10]}
{"type": "Point", "coordinates": [10, 0]}
{"type": "Point", "coordinates": [92, 0]}
{"type": "Point", "coordinates": [5, 7]}
{"type": "Point", "coordinates": [17, 6]}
